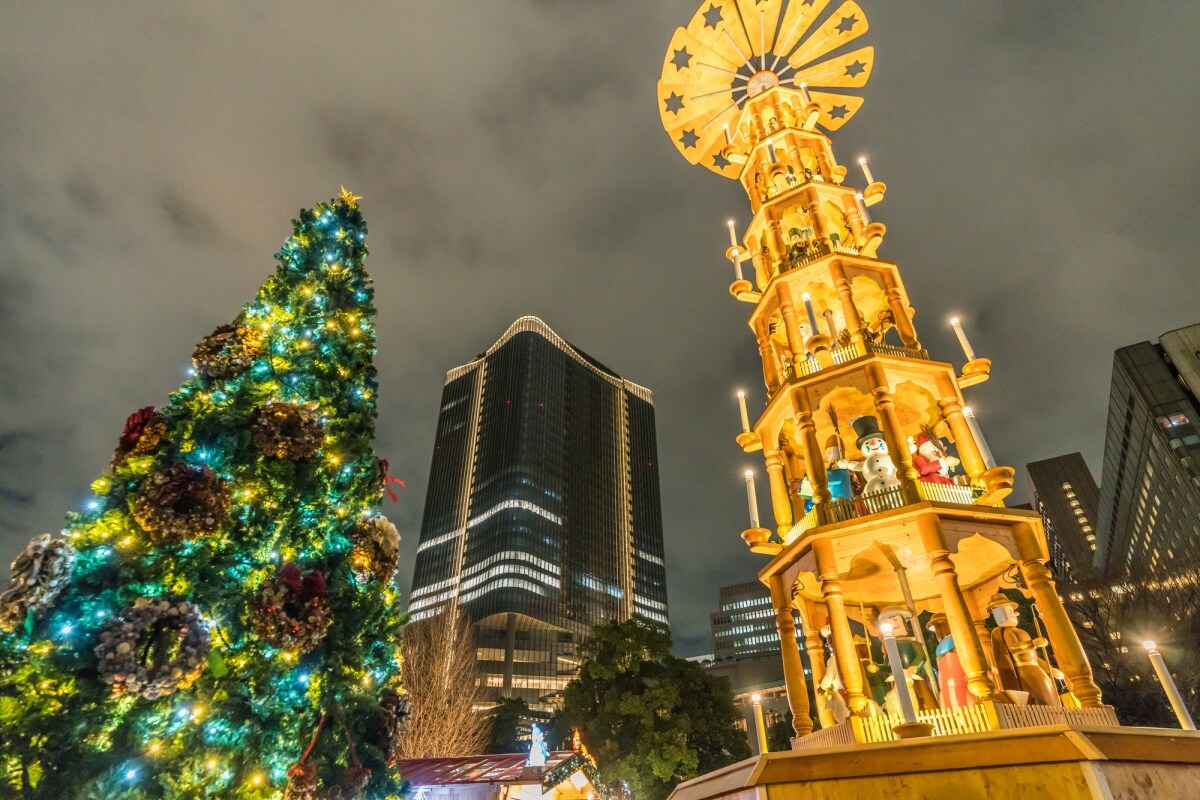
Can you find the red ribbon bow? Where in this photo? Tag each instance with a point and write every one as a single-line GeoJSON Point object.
{"type": "Point", "coordinates": [134, 425]}
{"type": "Point", "coordinates": [306, 587]}
{"type": "Point", "coordinates": [388, 479]}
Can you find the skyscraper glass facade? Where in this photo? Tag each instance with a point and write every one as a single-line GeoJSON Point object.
{"type": "Point", "coordinates": [1150, 488]}
{"type": "Point", "coordinates": [542, 517]}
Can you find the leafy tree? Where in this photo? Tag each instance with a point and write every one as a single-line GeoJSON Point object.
{"type": "Point", "coordinates": [220, 620]}
{"type": "Point", "coordinates": [780, 733]}
{"type": "Point", "coordinates": [651, 720]}
{"type": "Point", "coordinates": [510, 726]}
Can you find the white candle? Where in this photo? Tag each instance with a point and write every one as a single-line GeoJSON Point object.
{"type": "Point", "coordinates": [862, 209]}
{"type": "Point", "coordinates": [742, 408]}
{"type": "Point", "coordinates": [736, 258]}
{"type": "Point", "coordinates": [829, 322]}
{"type": "Point", "coordinates": [732, 233]}
{"type": "Point", "coordinates": [1168, 684]}
{"type": "Point", "coordinates": [898, 677]}
{"type": "Point", "coordinates": [771, 152]}
{"type": "Point", "coordinates": [962, 339]}
{"type": "Point", "coordinates": [862, 162]}
{"type": "Point", "coordinates": [728, 137]}
{"type": "Point", "coordinates": [752, 499]}
{"type": "Point", "coordinates": [804, 93]}
{"type": "Point", "coordinates": [812, 315]}
{"type": "Point", "coordinates": [988, 459]}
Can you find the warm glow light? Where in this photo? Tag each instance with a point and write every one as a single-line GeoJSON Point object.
{"type": "Point", "coordinates": [1149, 645]}
{"type": "Point", "coordinates": [756, 697]}
{"type": "Point", "coordinates": [954, 320]}
{"type": "Point", "coordinates": [741, 393]}
{"type": "Point", "coordinates": [806, 297]}
{"type": "Point", "coordinates": [862, 159]}
{"type": "Point", "coordinates": [885, 628]}
{"type": "Point", "coordinates": [749, 473]}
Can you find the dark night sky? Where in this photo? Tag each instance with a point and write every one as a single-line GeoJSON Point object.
{"type": "Point", "coordinates": [1040, 158]}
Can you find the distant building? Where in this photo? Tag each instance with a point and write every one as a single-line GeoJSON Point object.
{"type": "Point", "coordinates": [744, 624]}
{"type": "Point", "coordinates": [1066, 495]}
{"type": "Point", "coordinates": [746, 652]}
{"type": "Point", "coordinates": [543, 516]}
{"type": "Point", "coordinates": [1149, 517]}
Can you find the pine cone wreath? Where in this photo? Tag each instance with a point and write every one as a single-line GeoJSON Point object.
{"type": "Point", "coordinates": [289, 612]}
{"type": "Point", "coordinates": [287, 430]}
{"type": "Point", "coordinates": [39, 575]}
{"type": "Point", "coordinates": [375, 549]}
{"type": "Point", "coordinates": [153, 648]}
{"type": "Point", "coordinates": [182, 502]}
{"type": "Point", "coordinates": [228, 351]}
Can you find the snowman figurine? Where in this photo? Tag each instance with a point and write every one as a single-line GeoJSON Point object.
{"type": "Point", "coordinates": [877, 468]}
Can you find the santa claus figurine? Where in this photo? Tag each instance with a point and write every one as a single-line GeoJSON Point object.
{"type": "Point", "coordinates": [931, 463]}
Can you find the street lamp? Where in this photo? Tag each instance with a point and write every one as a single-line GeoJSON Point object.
{"type": "Point", "coordinates": [1168, 684]}
{"type": "Point", "coordinates": [758, 723]}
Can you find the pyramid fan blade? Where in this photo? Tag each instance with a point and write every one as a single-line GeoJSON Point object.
{"type": "Point", "coordinates": [836, 108]}
{"type": "Point", "coordinates": [851, 70]}
{"type": "Point", "coordinates": [844, 25]}
{"type": "Point", "coordinates": [798, 18]}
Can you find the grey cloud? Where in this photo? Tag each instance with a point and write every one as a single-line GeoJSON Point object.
{"type": "Point", "coordinates": [1040, 161]}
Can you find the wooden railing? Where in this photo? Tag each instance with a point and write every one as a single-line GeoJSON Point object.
{"type": "Point", "coordinates": [840, 735]}
{"type": "Point", "coordinates": [948, 493]}
{"type": "Point", "coordinates": [945, 722]}
{"type": "Point", "coordinates": [956, 721]}
{"type": "Point", "coordinates": [1034, 716]}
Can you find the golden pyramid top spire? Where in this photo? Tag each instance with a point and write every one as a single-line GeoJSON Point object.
{"type": "Point", "coordinates": [733, 50]}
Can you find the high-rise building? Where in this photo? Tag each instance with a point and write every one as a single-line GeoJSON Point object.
{"type": "Point", "coordinates": [542, 517]}
{"type": "Point", "coordinates": [1149, 520]}
{"type": "Point", "coordinates": [744, 625]}
{"type": "Point", "coordinates": [1066, 495]}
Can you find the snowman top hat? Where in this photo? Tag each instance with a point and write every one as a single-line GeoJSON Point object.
{"type": "Point", "coordinates": [867, 428]}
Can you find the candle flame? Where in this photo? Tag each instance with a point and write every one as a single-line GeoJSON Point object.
{"type": "Point", "coordinates": [954, 321]}
{"type": "Point", "coordinates": [1149, 645]}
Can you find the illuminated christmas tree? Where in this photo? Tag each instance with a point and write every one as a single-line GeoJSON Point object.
{"type": "Point", "coordinates": [220, 621]}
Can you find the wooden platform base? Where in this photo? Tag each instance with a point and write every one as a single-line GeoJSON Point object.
{"type": "Point", "coordinates": [1058, 762]}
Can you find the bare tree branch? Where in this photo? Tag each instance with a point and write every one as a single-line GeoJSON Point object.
{"type": "Point", "coordinates": [442, 681]}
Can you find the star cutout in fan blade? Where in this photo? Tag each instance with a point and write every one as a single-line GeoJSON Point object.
{"type": "Point", "coordinates": [720, 161]}
{"type": "Point", "coordinates": [674, 103]}
{"type": "Point", "coordinates": [838, 112]}
{"type": "Point", "coordinates": [856, 69]}
{"type": "Point", "coordinates": [689, 138]}
{"type": "Point", "coordinates": [847, 23]}
{"type": "Point", "coordinates": [682, 59]}
{"type": "Point", "coordinates": [712, 17]}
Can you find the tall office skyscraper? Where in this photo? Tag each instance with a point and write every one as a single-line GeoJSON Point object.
{"type": "Point", "coordinates": [1066, 495]}
{"type": "Point", "coordinates": [1150, 487]}
{"type": "Point", "coordinates": [542, 517]}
